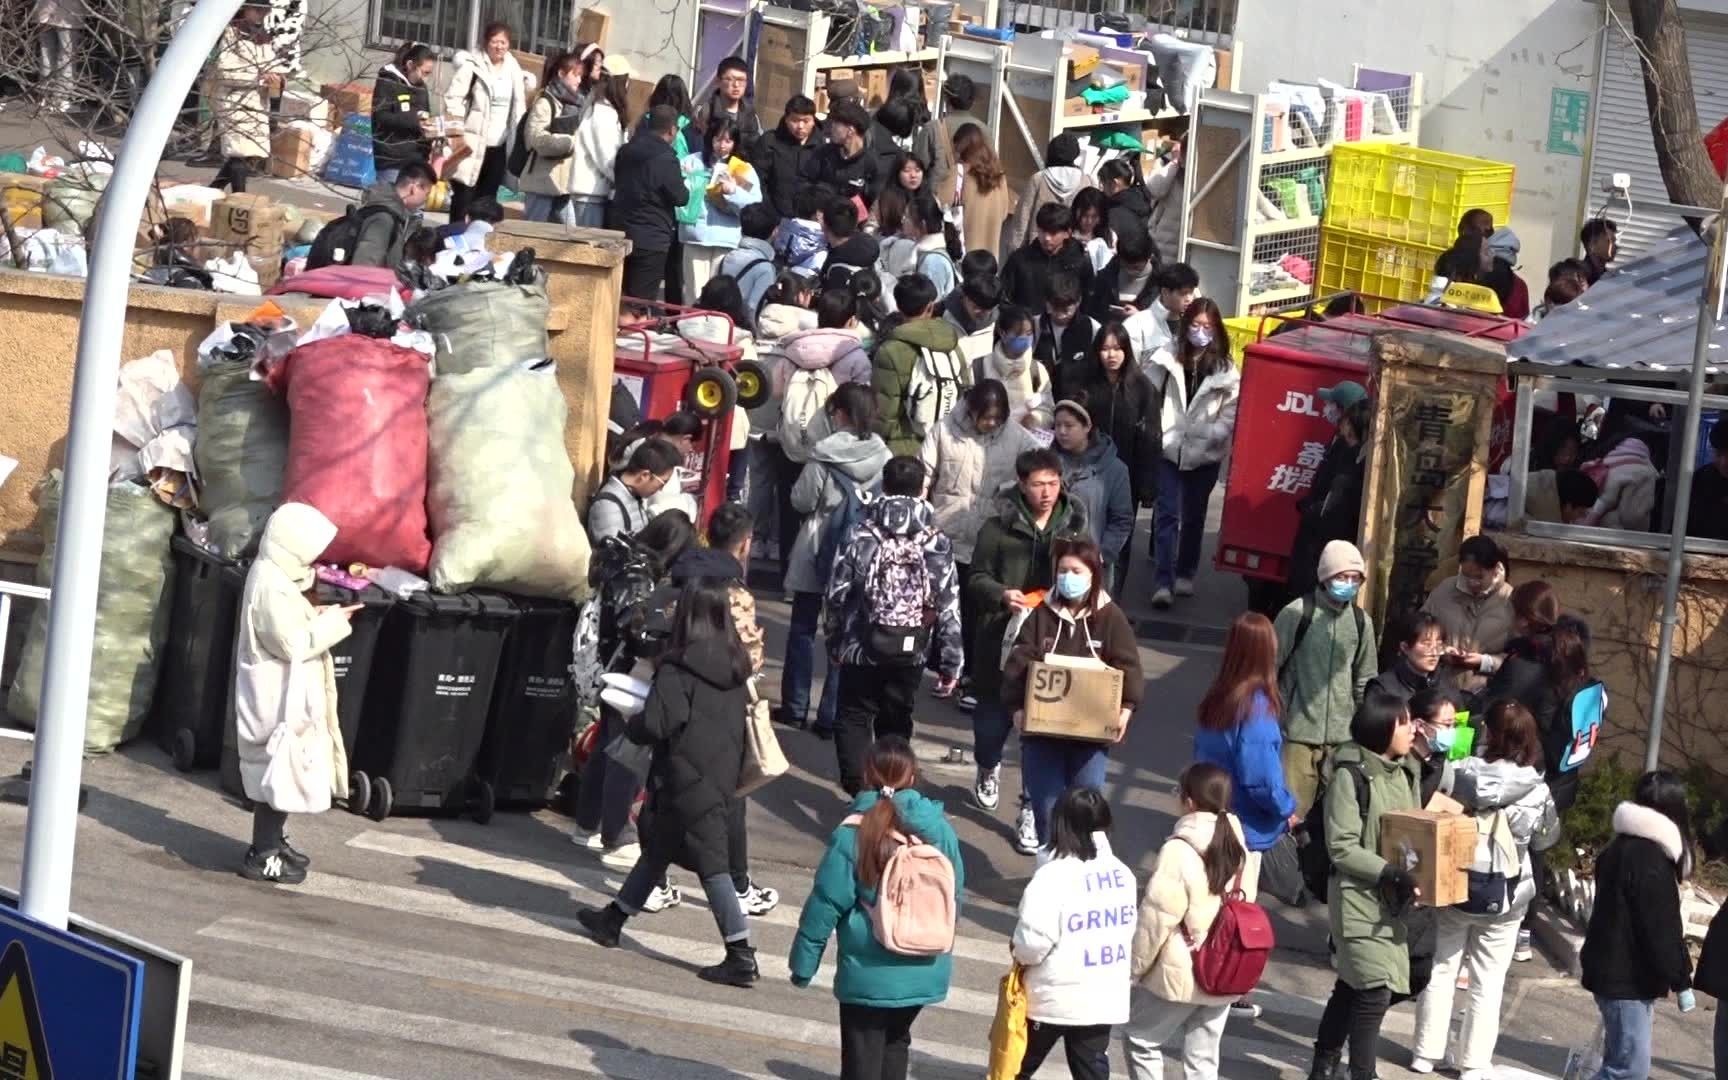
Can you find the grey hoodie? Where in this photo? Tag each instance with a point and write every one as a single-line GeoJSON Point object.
{"type": "Point", "coordinates": [816, 495]}
{"type": "Point", "coordinates": [1056, 183]}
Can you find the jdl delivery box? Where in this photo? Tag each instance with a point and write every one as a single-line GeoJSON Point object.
{"type": "Point", "coordinates": [1073, 698]}
{"type": "Point", "coordinates": [1436, 847]}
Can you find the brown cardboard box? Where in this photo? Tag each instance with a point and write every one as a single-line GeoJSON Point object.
{"type": "Point", "coordinates": [1436, 848]}
{"type": "Point", "coordinates": [1133, 72]}
{"type": "Point", "coordinates": [1082, 60]}
{"type": "Point", "coordinates": [874, 82]}
{"type": "Point", "coordinates": [593, 24]}
{"type": "Point", "coordinates": [532, 63]}
{"type": "Point", "coordinates": [1075, 106]}
{"type": "Point", "coordinates": [249, 223]}
{"type": "Point", "coordinates": [346, 98]}
{"type": "Point", "coordinates": [291, 152]}
{"type": "Point", "coordinates": [1074, 699]}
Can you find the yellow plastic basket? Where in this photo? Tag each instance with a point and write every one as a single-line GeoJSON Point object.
{"type": "Point", "coordinates": [1413, 195]}
{"type": "Point", "coordinates": [1375, 268]}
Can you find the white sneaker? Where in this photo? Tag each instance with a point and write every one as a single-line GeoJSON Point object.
{"type": "Point", "coordinates": [587, 841]}
{"type": "Point", "coordinates": [1477, 1074]}
{"type": "Point", "coordinates": [1423, 1065]}
{"type": "Point", "coordinates": [1522, 952]}
{"type": "Point", "coordinates": [1161, 599]}
{"type": "Point", "coordinates": [663, 897]}
{"type": "Point", "coordinates": [1026, 831]}
{"type": "Point", "coordinates": [622, 857]}
{"type": "Point", "coordinates": [757, 900]}
{"type": "Point", "coordinates": [987, 791]}
{"type": "Point", "coordinates": [1184, 586]}
{"type": "Point", "coordinates": [967, 701]}
{"type": "Point", "coordinates": [1244, 1010]}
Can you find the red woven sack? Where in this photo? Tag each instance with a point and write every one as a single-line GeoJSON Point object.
{"type": "Point", "coordinates": [357, 446]}
{"type": "Point", "coordinates": [1237, 948]}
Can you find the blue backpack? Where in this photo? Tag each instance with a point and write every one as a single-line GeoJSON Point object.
{"type": "Point", "coordinates": [842, 523]}
{"type": "Point", "coordinates": [1577, 728]}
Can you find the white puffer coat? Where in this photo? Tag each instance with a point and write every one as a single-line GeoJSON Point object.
{"type": "Point", "coordinates": [966, 471]}
{"type": "Point", "coordinates": [470, 97]}
{"type": "Point", "coordinates": [1179, 895]}
{"type": "Point", "coordinates": [1196, 432]}
{"type": "Point", "coordinates": [1075, 931]}
{"type": "Point", "coordinates": [1519, 790]}
{"type": "Point", "coordinates": [291, 752]}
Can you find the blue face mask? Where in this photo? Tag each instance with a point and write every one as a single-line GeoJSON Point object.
{"type": "Point", "coordinates": [1342, 591]}
{"type": "Point", "coordinates": [1016, 346]}
{"type": "Point", "coordinates": [1073, 585]}
{"type": "Point", "coordinates": [1443, 739]}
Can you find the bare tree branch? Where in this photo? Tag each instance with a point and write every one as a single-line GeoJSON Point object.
{"type": "Point", "coordinates": [1687, 173]}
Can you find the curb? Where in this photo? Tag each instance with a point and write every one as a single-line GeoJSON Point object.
{"type": "Point", "coordinates": [1557, 940]}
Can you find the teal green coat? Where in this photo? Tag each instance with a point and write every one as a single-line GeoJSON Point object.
{"type": "Point", "coordinates": [1373, 945]}
{"type": "Point", "coordinates": [868, 974]}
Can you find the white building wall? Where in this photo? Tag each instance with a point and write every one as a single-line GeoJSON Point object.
{"type": "Point", "coordinates": [1490, 69]}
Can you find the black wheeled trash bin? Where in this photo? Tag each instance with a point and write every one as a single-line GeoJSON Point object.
{"type": "Point", "coordinates": [426, 704]}
{"type": "Point", "coordinates": [533, 708]}
{"type": "Point", "coordinates": [196, 678]}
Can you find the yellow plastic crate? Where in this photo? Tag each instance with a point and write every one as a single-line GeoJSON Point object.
{"type": "Point", "coordinates": [1413, 195]}
{"type": "Point", "coordinates": [1381, 271]}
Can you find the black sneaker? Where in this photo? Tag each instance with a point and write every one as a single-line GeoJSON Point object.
{"type": "Point", "coordinates": [294, 855]}
{"type": "Point", "coordinates": [271, 867]}
{"type": "Point", "coordinates": [605, 925]}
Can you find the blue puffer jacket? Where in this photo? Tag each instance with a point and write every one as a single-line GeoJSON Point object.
{"type": "Point", "coordinates": [868, 974]}
{"type": "Point", "coordinates": [1252, 753]}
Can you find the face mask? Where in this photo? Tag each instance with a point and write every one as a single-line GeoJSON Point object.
{"type": "Point", "coordinates": [1441, 739]}
{"type": "Point", "coordinates": [1073, 584]}
{"type": "Point", "coordinates": [1342, 591]}
{"type": "Point", "coordinates": [1017, 346]}
{"type": "Point", "coordinates": [1330, 413]}
{"type": "Point", "coordinates": [1488, 585]}
{"type": "Point", "coordinates": [1199, 337]}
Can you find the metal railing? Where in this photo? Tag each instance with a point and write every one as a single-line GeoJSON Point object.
{"type": "Point", "coordinates": [1210, 21]}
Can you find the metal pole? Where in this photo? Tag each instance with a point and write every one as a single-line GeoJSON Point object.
{"type": "Point", "coordinates": [474, 41]}
{"type": "Point", "coordinates": [52, 826]}
{"type": "Point", "coordinates": [1709, 311]}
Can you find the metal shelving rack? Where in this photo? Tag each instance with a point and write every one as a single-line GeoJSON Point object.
{"type": "Point", "coordinates": [1251, 262]}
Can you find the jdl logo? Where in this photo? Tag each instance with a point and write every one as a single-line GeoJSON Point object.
{"type": "Point", "coordinates": [1051, 684]}
{"type": "Point", "coordinates": [1295, 401]}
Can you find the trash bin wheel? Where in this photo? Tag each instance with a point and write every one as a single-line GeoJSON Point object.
{"type": "Point", "coordinates": [359, 792]}
{"type": "Point", "coordinates": [185, 750]}
{"type": "Point", "coordinates": [752, 382]}
{"type": "Point", "coordinates": [379, 806]}
{"type": "Point", "coordinates": [711, 393]}
{"type": "Point", "coordinates": [485, 801]}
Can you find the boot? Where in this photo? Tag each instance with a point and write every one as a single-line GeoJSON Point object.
{"type": "Point", "coordinates": [1325, 1067]}
{"type": "Point", "coordinates": [738, 969]}
{"type": "Point", "coordinates": [605, 925]}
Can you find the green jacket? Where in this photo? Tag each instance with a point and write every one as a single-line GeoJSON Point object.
{"type": "Point", "coordinates": [891, 373]}
{"type": "Point", "coordinates": [868, 974]}
{"type": "Point", "coordinates": [1325, 681]}
{"type": "Point", "coordinates": [1011, 553]}
{"type": "Point", "coordinates": [1373, 944]}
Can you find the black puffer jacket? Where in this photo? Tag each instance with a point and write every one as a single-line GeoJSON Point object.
{"type": "Point", "coordinates": [397, 106]}
{"type": "Point", "coordinates": [1523, 677]}
{"type": "Point", "coordinates": [749, 124]}
{"type": "Point", "coordinates": [1128, 210]}
{"type": "Point", "coordinates": [847, 176]}
{"type": "Point", "coordinates": [694, 720]}
{"type": "Point", "coordinates": [1130, 412]}
{"type": "Point", "coordinates": [1635, 948]}
{"type": "Point", "coordinates": [649, 190]}
{"type": "Point", "coordinates": [1028, 271]}
{"type": "Point", "coordinates": [780, 162]}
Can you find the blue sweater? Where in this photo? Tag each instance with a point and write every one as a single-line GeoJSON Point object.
{"type": "Point", "coordinates": [1252, 753]}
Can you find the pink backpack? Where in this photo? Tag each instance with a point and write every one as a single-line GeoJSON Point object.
{"type": "Point", "coordinates": [1237, 948]}
{"type": "Point", "coordinates": [916, 913]}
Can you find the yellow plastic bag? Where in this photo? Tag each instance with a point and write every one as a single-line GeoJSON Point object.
{"type": "Point", "coordinates": [1008, 1030]}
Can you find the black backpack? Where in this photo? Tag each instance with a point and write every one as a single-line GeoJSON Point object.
{"type": "Point", "coordinates": [1302, 626]}
{"type": "Point", "coordinates": [334, 244]}
{"type": "Point", "coordinates": [1313, 855]}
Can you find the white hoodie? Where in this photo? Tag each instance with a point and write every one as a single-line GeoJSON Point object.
{"type": "Point", "coordinates": [1075, 937]}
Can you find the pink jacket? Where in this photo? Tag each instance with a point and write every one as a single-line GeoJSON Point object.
{"type": "Point", "coordinates": [840, 351]}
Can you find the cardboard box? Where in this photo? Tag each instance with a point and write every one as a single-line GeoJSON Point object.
{"type": "Point", "coordinates": [1082, 60]}
{"type": "Point", "coordinates": [1075, 106]}
{"type": "Point", "coordinates": [291, 152]}
{"type": "Point", "coordinates": [344, 99]}
{"type": "Point", "coordinates": [593, 24]}
{"type": "Point", "coordinates": [1133, 72]}
{"type": "Point", "coordinates": [249, 223]}
{"type": "Point", "coordinates": [1074, 698]}
{"type": "Point", "coordinates": [874, 83]}
{"type": "Point", "coordinates": [1436, 848]}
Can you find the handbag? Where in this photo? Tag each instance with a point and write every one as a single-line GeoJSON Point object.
{"type": "Point", "coordinates": [1008, 1030]}
{"type": "Point", "coordinates": [1490, 888]}
{"type": "Point", "coordinates": [633, 756]}
{"type": "Point", "coordinates": [1281, 872]}
{"type": "Point", "coordinates": [763, 758]}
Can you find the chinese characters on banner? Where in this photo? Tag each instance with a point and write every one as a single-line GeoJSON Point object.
{"type": "Point", "coordinates": [1298, 476]}
{"type": "Point", "coordinates": [1432, 445]}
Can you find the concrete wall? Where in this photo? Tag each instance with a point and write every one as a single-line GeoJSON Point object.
{"type": "Point", "coordinates": [39, 331]}
{"type": "Point", "coordinates": [1490, 68]}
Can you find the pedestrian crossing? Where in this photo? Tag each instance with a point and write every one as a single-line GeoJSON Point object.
{"type": "Point", "coordinates": [523, 976]}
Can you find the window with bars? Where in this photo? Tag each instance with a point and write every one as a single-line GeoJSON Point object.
{"type": "Point", "coordinates": [1211, 21]}
{"type": "Point", "coordinates": [539, 26]}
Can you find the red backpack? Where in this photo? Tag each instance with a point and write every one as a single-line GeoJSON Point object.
{"type": "Point", "coordinates": [1237, 948]}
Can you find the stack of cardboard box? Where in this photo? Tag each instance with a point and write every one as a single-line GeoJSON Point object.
{"type": "Point", "coordinates": [252, 224]}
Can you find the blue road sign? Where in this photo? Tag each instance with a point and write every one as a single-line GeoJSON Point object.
{"type": "Point", "coordinates": [68, 1007]}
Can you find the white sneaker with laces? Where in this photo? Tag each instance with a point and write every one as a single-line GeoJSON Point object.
{"type": "Point", "coordinates": [987, 791]}
{"type": "Point", "coordinates": [622, 857]}
{"type": "Point", "coordinates": [663, 897]}
{"type": "Point", "coordinates": [1026, 831]}
{"type": "Point", "coordinates": [757, 900]}
{"type": "Point", "coordinates": [1161, 599]}
{"type": "Point", "coordinates": [587, 841]}
{"type": "Point", "coordinates": [1184, 586]}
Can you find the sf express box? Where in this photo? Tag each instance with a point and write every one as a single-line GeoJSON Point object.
{"type": "Point", "coordinates": [1437, 848]}
{"type": "Point", "coordinates": [1073, 698]}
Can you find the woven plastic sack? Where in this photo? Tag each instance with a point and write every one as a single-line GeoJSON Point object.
{"type": "Point", "coordinates": [132, 606]}
{"type": "Point", "coordinates": [480, 325]}
{"type": "Point", "coordinates": [499, 485]}
{"type": "Point", "coordinates": [242, 456]}
{"type": "Point", "coordinates": [357, 446]}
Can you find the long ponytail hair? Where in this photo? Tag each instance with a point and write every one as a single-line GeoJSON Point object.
{"type": "Point", "coordinates": [891, 768]}
{"type": "Point", "coordinates": [1208, 788]}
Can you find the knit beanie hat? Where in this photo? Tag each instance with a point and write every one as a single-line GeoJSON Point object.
{"type": "Point", "coordinates": [1339, 557]}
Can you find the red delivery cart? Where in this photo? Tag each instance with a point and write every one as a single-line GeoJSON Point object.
{"type": "Point", "coordinates": [673, 358]}
{"type": "Point", "coordinates": [1280, 440]}
{"type": "Point", "coordinates": [1497, 330]}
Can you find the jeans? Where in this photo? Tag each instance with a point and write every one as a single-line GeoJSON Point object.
{"type": "Point", "coordinates": [874, 702]}
{"type": "Point", "coordinates": [875, 1043]}
{"type": "Point", "coordinates": [1355, 1016]}
{"type": "Point", "coordinates": [1048, 767]}
{"type": "Point", "coordinates": [554, 208]}
{"type": "Point", "coordinates": [588, 211]}
{"type": "Point", "coordinates": [786, 519]}
{"type": "Point", "coordinates": [607, 791]}
{"type": "Point", "coordinates": [649, 871]}
{"type": "Point", "coordinates": [1181, 520]}
{"type": "Point", "coordinates": [1484, 947]}
{"type": "Point", "coordinates": [1626, 1045]}
{"type": "Point", "coordinates": [991, 725]}
{"type": "Point", "coordinates": [643, 273]}
{"type": "Point", "coordinates": [801, 665]}
{"type": "Point", "coordinates": [485, 185]}
{"type": "Point", "coordinates": [1087, 1049]}
{"type": "Point", "coordinates": [1155, 1023]}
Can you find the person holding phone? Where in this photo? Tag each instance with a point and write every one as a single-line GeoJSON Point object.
{"type": "Point", "coordinates": [292, 760]}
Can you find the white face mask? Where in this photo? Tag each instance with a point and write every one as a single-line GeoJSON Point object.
{"type": "Point", "coordinates": [1330, 413]}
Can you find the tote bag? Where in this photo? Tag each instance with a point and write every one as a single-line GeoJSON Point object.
{"type": "Point", "coordinates": [1008, 1030]}
{"type": "Point", "coordinates": [763, 758]}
